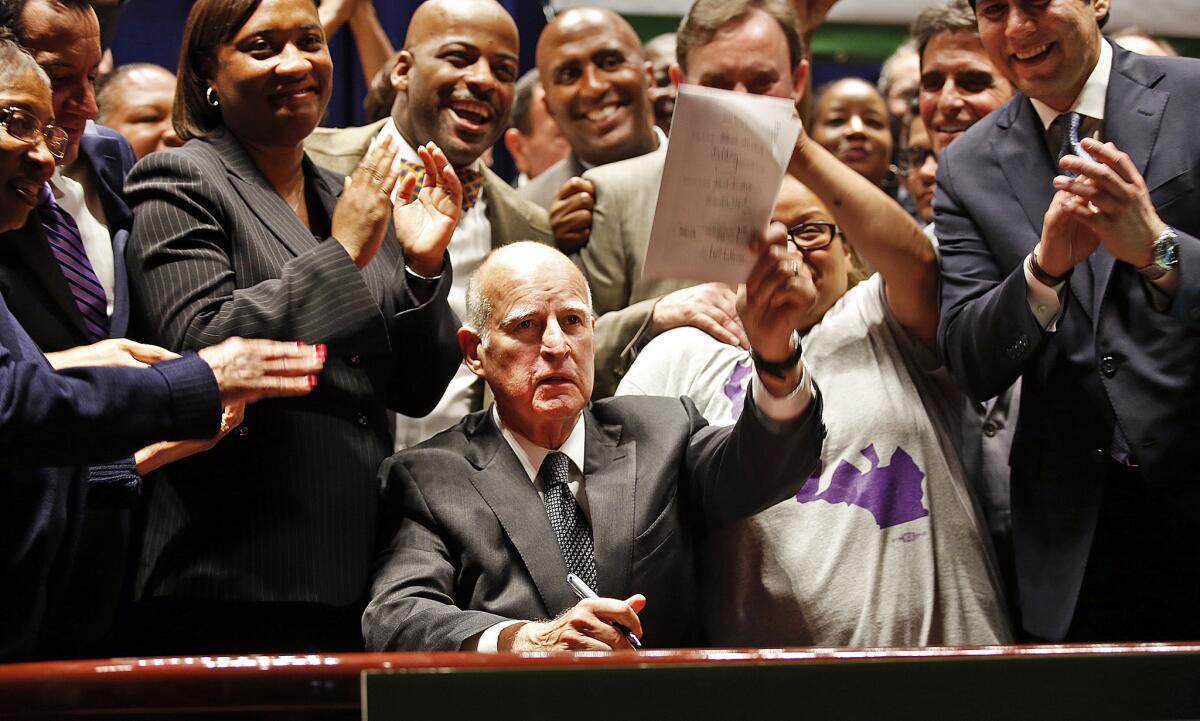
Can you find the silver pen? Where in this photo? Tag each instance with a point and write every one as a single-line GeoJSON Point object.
{"type": "Point", "coordinates": [584, 591]}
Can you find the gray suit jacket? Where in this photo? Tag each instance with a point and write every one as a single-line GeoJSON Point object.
{"type": "Point", "coordinates": [541, 189]}
{"type": "Point", "coordinates": [512, 217]}
{"type": "Point", "coordinates": [626, 196]}
{"type": "Point", "coordinates": [1116, 369]}
{"type": "Point", "coordinates": [284, 509]}
{"type": "Point", "coordinates": [474, 546]}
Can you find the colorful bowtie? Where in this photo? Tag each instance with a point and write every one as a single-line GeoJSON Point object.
{"type": "Point", "coordinates": [472, 181]}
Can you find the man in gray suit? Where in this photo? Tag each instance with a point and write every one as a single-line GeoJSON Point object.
{"type": "Point", "coordinates": [597, 84]}
{"type": "Point", "coordinates": [454, 83]}
{"type": "Point", "coordinates": [493, 513]}
{"type": "Point", "coordinates": [744, 45]}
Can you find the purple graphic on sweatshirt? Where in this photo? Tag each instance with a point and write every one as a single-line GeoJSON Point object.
{"type": "Point", "coordinates": [892, 493]}
{"type": "Point", "coordinates": [735, 389]}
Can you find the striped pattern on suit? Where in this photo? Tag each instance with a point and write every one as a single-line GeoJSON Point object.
{"type": "Point", "coordinates": [284, 509]}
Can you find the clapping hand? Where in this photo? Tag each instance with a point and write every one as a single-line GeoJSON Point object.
{"type": "Point", "coordinates": [424, 224]}
{"type": "Point", "coordinates": [361, 216]}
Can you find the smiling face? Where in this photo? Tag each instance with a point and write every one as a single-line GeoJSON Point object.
{"type": "Point", "coordinates": [919, 177]}
{"type": "Point", "coordinates": [537, 357]}
{"type": "Point", "coordinates": [274, 77]}
{"type": "Point", "coordinates": [66, 43]}
{"type": "Point", "coordinates": [24, 166]}
{"type": "Point", "coordinates": [851, 121]}
{"type": "Point", "coordinates": [830, 266]}
{"type": "Point", "coordinates": [959, 86]}
{"type": "Point", "coordinates": [1046, 48]}
{"type": "Point", "coordinates": [455, 78]}
{"type": "Point", "coordinates": [597, 85]}
{"type": "Point", "coordinates": [140, 109]}
{"type": "Point", "coordinates": [748, 55]}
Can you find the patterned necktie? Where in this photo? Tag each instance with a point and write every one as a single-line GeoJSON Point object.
{"type": "Point", "coordinates": [1065, 130]}
{"type": "Point", "coordinates": [570, 527]}
{"type": "Point", "coordinates": [67, 245]}
{"type": "Point", "coordinates": [472, 181]}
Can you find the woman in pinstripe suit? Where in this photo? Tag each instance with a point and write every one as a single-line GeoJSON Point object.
{"type": "Point", "coordinates": [266, 543]}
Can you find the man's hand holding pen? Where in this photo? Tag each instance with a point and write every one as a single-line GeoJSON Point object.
{"type": "Point", "coordinates": [586, 626]}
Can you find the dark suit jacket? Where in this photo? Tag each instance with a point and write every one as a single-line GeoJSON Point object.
{"type": "Point", "coordinates": [49, 422]}
{"type": "Point", "coordinates": [1114, 362]}
{"type": "Point", "coordinates": [30, 277]}
{"type": "Point", "coordinates": [474, 546]}
{"type": "Point", "coordinates": [285, 508]}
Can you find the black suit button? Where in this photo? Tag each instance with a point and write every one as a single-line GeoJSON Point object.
{"type": "Point", "coordinates": [354, 360]}
{"type": "Point", "coordinates": [243, 431]}
{"type": "Point", "coordinates": [1108, 366]}
{"type": "Point", "coordinates": [361, 419]}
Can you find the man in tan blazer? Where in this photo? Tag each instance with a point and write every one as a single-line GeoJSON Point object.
{"type": "Point", "coordinates": [744, 45]}
{"type": "Point", "coordinates": [454, 81]}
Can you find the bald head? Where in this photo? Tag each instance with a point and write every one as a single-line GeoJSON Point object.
{"type": "Point", "coordinates": [582, 21]}
{"type": "Point", "coordinates": [523, 260]}
{"type": "Point", "coordinates": [454, 79]}
{"type": "Point", "coordinates": [597, 85]}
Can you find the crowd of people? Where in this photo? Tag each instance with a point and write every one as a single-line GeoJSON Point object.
{"type": "Point", "coordinates": [270, 387]}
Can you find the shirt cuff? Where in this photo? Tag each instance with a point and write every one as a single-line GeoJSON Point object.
{"type": "Point", "coordinates": [489, 639]}
{"type": "Point", "coordinates": [1045, 302]}
{"type": "Point", "coordinates": [786, 408]}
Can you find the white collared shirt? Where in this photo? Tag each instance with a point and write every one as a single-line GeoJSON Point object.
{"type": "Point", "coordinates": [469, 246]}
{"type": "Point", "coordinates": [75, 192]}
{"type": "Point", "coordinates": [532, 455]}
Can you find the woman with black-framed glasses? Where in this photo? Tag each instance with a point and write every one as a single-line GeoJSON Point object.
{"type": "Point", "coordinates": [884, 546]}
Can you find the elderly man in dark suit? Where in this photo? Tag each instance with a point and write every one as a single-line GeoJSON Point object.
{"type": "Point", "coordinates": [494, 512]}
{"type": "Point", "coordinates": [454, 82]}
{"type": "Point", "coordinates": [1071, 263]}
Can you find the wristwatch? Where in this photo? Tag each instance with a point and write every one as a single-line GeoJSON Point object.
{"type": "Point", "coordinates": [1166, 255]}
{"type": "Point", "coordinates": [779, 369]}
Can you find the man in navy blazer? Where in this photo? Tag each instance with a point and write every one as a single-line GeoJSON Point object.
{"type": "Point", "coordinates": [63, 37]}
{"type": "Point", "coordinates": [1079, 276]}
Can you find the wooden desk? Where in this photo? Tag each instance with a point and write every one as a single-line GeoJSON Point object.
{"type": "Point", "coordinates": [1138, 681]}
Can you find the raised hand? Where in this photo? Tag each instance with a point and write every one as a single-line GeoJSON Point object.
{"type": "Point", "coordinates": [586, 626]}
{"type": "Point", "coordinates": [426, 223]}
{"type": "Point", "coordinates": [810, 14]}
{"type": "Point", "coordinates": [1112, 202]}
{"type": "Point", "coordinates": [711, 307]}
{"type": "Point", "coordinates": [778, 296]}
{"type": "Point", "coordinates": [247, 370]}
{"type": "Point", "coordinates": [361, 216]}
{"type": "Point", "coordinates": [110, 352]}
{"type": "Point", "coordinates": [571, 214]}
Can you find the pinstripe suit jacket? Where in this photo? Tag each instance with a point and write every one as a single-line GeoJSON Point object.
{"type": "Point", "coordinates": [285, 508]}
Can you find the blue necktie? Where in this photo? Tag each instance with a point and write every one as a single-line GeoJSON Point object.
{"type": "Point", "coordinates": [1066, 127]}
{"type": "Point", "coordinates": [67, 245]}
{"type": "Point", "coordinates": [570, 527]}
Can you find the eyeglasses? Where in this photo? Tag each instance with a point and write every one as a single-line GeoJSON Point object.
{"type": "Point", "coordinates": [24, 126]}
{"type": "Point", "coordinates": [814, 235]}
{"type": "Point", "coordinates": [913, 157]}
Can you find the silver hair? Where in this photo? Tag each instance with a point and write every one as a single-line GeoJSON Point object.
{"type": "Point", "coordinates": [479, 306]}
{"type": "Point", "coordinates": [15, 61]}
{"type": "Point", "coordinates": [887, 74]}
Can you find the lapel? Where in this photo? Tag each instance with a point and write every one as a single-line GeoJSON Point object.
{"type": "Point", "coordinates": [260, 196]}
{"type": "Point", "coordinates": [31, 246]}
{"type": "Point", "coordinates": [103, 156]}
{"type": "Point", "coordinates": [1133, 112]}
{"type": "Point", "coordinates": [512, 217]}
{"type": "Point", "coordinates": [504, 486]}
{"type": "Point", "coordinates": [609, 471]}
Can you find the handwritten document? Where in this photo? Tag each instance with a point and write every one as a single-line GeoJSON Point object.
{"type": "Point", "coordinates": [725, 161]}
